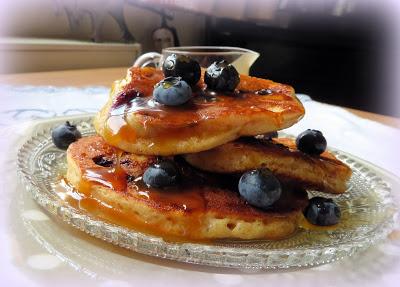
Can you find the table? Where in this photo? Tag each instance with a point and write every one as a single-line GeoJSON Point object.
{"type": "Point", "coordinates": [39, 251]}
{"type": "Point", "coordinates": [105, 76]}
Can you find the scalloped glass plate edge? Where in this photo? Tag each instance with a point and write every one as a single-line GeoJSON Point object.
{"type": "Point", "coordinates": [232, 254]}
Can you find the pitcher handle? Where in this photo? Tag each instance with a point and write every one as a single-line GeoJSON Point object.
{"type": "Point", "coordinates": [148, 59]}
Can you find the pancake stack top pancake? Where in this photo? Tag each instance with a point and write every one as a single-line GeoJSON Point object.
{"type": "Point", "coordinates": [188, 153]}
{"type": "Point", "coordinates": [135, 121]}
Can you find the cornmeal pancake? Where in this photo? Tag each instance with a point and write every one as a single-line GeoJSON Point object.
{"type": "Point", "coordinates": [280, 155]}
{"type": "Point", "coordinates": [202, 207]}
{"type": "Point", "coordinates": [132, 121]}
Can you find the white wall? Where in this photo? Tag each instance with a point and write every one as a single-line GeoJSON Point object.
{"type": "Point", "coordinates": [43, 18]}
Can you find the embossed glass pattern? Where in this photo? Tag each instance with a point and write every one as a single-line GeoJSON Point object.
{"type": "Point", "coordinates": [367, 215]}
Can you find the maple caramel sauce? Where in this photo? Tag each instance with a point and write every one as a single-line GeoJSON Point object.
{"type": "Point", "coordinates": [115, 215]}
{"type": "Point", "coordinates": [180, 197]}
{"type": "Point", "coordinates": [113, 177]}
{"type": "Point", "coordinates": [305, 224]}
{"type": "Point", "coordinates": [185, 199]}
{"type": "Point", "coordinates": [95, 207]}
{"type": "Point", "coordinates": [112, 213]}
{"type": "Point", "coordinates": [135, 97]}
{"type": "Point", "coordinates": [117, 127]}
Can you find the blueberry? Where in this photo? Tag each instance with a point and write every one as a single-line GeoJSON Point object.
{"type": "Point", "coordinates": [311, 142]}
{"type": "Point", "coordinates": [322, 211]}
{"type": "Point", "coordinates": [172, 91]}
{"type": "Point", "coordinates": [64, 135]}
{"type": "Point", "coordinates": [182, 66]}
{"type": "Point", "coordinates": [260, 188]}
{"type": "Point", "coordinates": [221, 76]}
{"type": "Point", "coordinates": [161, 174]}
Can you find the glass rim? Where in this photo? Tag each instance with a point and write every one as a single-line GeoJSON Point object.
{"type": "Point", "coordinates": [209, 50]}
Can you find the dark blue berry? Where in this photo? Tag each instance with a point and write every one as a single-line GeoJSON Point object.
{"type": "Point", "coordinates": [322, 211]}
{"type": "Point", "coordinates": [161, 174]}
{"type": "Point", "coordinates": [172, 91]}
{"type": "Point", "coordinates": [311, 142]}
{"type": "Point", "coordinates": [221, 76]}
{"type": "Point", "coordinates": [64, 135]}
{"type": "Point", "coordinates": [260, 188]}
{"type": "Point", "coordinates": [182, 66]}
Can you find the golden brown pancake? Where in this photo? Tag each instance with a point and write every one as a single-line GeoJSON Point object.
{"type": "Point", "coordinates": [132, 121]}
{"type": "Point", "coordinates": [202, 207]}
{"type": "Point", "coordinates": [324, 173]}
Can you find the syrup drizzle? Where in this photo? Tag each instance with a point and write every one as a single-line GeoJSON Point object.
{"type": "Point", "coordinates": [185, 198]}
{"type": "Point", "coordinates": [189, 197]}
{"type": "Point", "coordinates": [113, 177]}
{"type": "Point", "coordinates": [136, 99]}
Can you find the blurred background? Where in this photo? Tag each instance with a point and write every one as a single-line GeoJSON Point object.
{"type": "Point", "coordinates": [337, 51]}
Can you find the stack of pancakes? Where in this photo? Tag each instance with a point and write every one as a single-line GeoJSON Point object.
{"type": "Point", "coordinates": [213, 139]}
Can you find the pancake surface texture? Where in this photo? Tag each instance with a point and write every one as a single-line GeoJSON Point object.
{"type": "Point", "coordinates": [201, 207]}
{"type": "Point", "coordinates": [324, 173]}
{"type": "Point", "coordinates": [132, 121]}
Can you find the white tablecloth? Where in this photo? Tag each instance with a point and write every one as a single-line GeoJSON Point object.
{"type": "Point", "coordinates": [36, 250]}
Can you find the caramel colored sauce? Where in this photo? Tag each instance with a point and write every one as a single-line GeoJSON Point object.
{"type": "Point", "coordinates": [117, 129]}
{"type": "Point", "coordinates": [111, 178]}
{"type": "Point", "coordinates": [111, 193]}
{"type": "Point", "coordinates": [97, 208]}
{"type": "Point", "coordinates": [114, 177]}
{"type": "Point", "coordinates": [187, 201]}
{"type": "Point", "coordinates": [136, 99]}
{"type": "Point", "coordinates": [180, 198]}
{"type": "Point", "coordinates": [185, 198]}
{"type": "Point", "coordinates": [305, 224]}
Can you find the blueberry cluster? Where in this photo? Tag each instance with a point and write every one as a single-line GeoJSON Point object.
{"type": "Point", "coordinates": [259, 187]}
{"type": "Point", "coordinates": [183, 73]}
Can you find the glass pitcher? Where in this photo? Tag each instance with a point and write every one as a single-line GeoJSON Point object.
{"type": "Point", "coordinates": [242, 59]}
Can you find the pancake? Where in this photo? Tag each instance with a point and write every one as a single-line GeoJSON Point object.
{"type": "Point", "coordinates": [202, 207]}
{"type": "Point", "coordinates": [132, 121]}
{"type": "Point", "coordinates": [324, 173]}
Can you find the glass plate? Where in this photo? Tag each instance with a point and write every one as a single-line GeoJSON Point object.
{"type": "Point", "coordinates": [367, 214]}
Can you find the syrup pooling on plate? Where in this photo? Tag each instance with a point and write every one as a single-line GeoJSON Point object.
{"type": "Point", "coordinates": [135, 98]}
